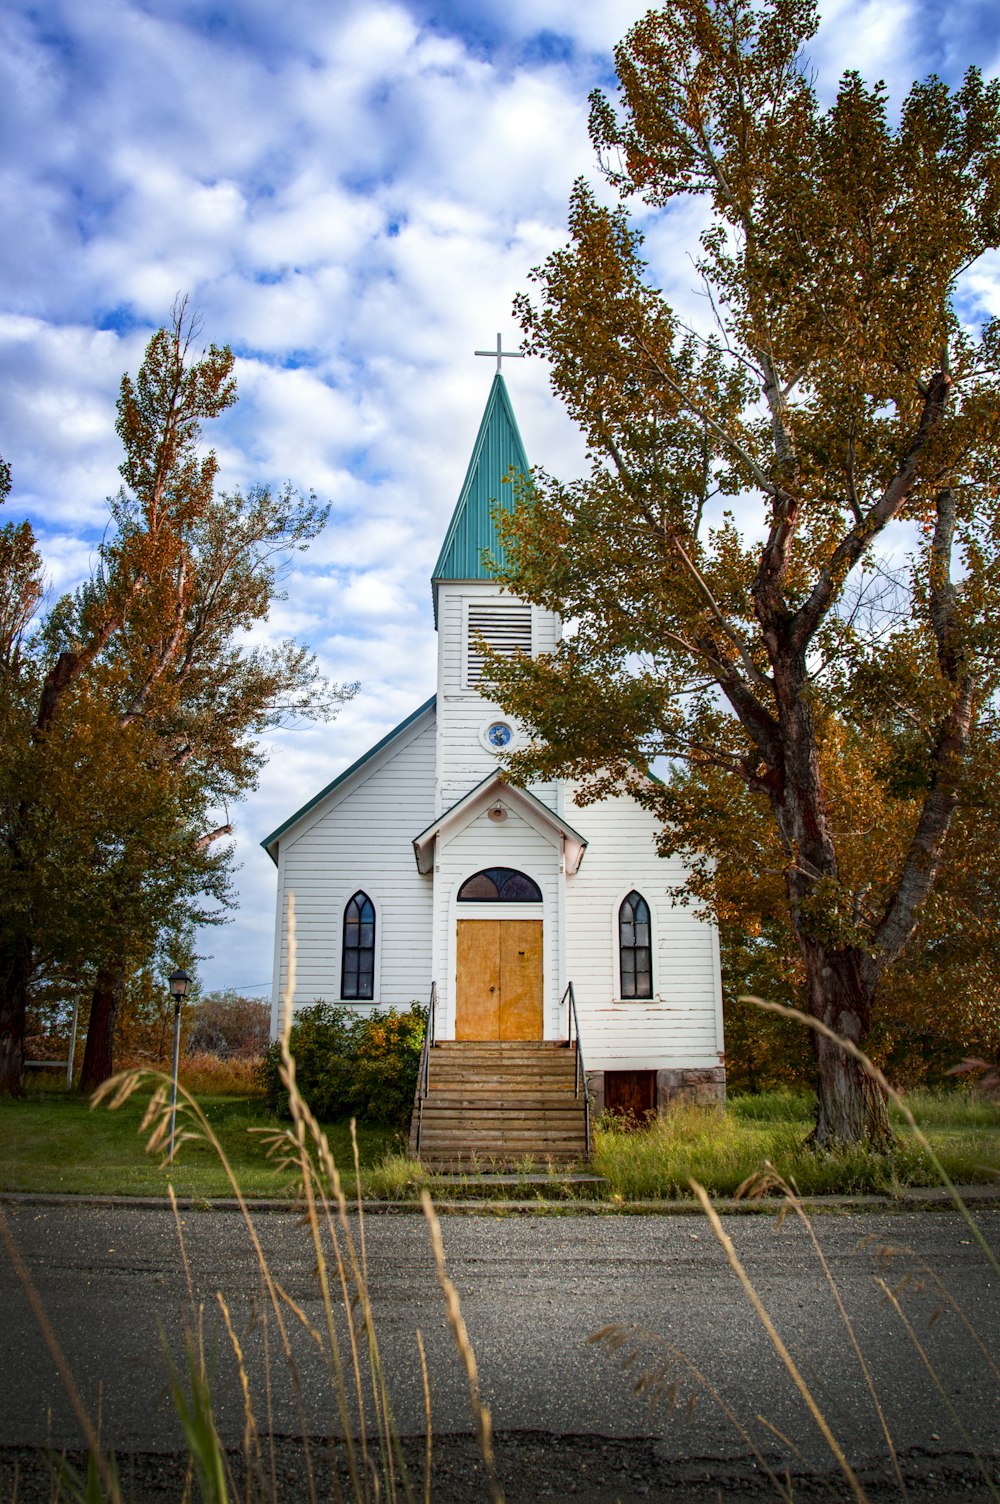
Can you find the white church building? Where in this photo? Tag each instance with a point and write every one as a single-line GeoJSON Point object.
{"type": "Point", "coordinates": [418, 874]}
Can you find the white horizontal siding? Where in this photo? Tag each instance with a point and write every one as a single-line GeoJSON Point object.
{"type": "Point", "coordinates": [361, 837]}
{"type": "Point", "coordinates": [681, 1025]}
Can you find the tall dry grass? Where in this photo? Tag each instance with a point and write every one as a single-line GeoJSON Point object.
{"type": "Point", "coordinates": [662, 1372]}
{"type": "Point", "coordinates": [205, 1074]}
{"type": "Point", "coordinates": [368, 1444]}
{"type": "Point", "coordinates": [367, 1450]}
{"type": "Point", "coordinates": [721, 1147]}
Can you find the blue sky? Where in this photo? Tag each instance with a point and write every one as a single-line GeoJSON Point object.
{"type": "Point", "coordinates": [351, 195]}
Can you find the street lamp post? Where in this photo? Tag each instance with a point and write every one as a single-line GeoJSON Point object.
{"type": "Point", "coordinates": [180, 985]}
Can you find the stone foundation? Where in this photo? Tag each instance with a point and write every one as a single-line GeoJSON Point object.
{"type": "Point", "coordinates": [595, 1086]}
{"type": "Point", "coordinates": [705, 1085]}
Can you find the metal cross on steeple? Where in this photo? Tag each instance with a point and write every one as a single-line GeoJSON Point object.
{"type": "Point", "coordinates": [501, 354]}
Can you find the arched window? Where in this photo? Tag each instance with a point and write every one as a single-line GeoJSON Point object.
{"type": "Point", "coordinates": [357, 969]}
{"type": "Point", "coordinates": [634, 950]}
{"type": "Point", "coordinates": [499, 885]}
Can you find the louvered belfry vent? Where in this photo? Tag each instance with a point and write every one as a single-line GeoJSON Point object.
{"type": "Point", "coordinates": [504, 628]}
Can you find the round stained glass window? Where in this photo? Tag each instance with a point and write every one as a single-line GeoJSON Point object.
{"type": "Point", "coordinates": [498, 735]}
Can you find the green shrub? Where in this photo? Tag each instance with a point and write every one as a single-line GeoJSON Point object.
{"type": "Point", "coordinates": [351, 1065]}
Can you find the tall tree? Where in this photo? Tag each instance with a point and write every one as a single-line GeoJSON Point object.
{"type": "Point", "coordinates": [852, 421]}
{"type": "Point", "coordinates": [144, 702]}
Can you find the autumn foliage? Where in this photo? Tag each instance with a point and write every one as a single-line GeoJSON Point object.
{"type": "Point", "coordinates": [782, 572]}
{"type": "Point", "coordinates": [131, 712]}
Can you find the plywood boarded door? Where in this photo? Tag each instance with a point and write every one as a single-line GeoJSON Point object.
{"type": "Point", "coordinates": [630, 1094]}
{"type": "Point", "coordinates": [477, 993]}
{"type": "Point", "coordinates": [499, 981]}
{"type": "Point", "coordinates": [520, 979]}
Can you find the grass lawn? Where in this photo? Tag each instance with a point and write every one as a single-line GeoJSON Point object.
{"type": "Point", "coordinates": [722, 1148]}
{"type": "Point", "coordinates": [53, 1141]}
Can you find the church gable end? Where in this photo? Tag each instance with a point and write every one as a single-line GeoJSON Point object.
{"type": "Point", "coordinates": [419, 867]}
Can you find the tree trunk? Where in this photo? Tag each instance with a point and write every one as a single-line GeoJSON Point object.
{"type": "Point", "coordinates": [98, 1057]}
{"type": "Point", "coordinates": [852, 1107]}
{"type": "Point", "coordinates": [15, 974]}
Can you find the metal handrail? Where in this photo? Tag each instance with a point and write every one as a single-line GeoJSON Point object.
{"type": "Point", "coordinates": [573, 1025]}
{"type": "Point", "coordinates": [423, 1079]}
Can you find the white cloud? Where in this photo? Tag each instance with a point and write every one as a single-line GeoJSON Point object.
{"type": "Point", "coordinates": [352, 195]}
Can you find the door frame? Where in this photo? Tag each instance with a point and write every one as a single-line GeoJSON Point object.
{"type": "Point", "coordinates": [483, 911]}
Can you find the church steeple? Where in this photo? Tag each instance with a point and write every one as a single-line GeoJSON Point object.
{"type": "Point", "coordinates": [498, 449]}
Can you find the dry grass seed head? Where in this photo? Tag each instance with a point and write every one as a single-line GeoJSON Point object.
{"type": "Point", "coordinates": [119, 1088]}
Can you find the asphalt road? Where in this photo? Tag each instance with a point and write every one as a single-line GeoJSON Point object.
{"type": "Point", "coordinates": [533, 1290]}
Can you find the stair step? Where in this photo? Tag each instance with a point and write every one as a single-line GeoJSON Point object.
{"type": "Point", "coordinates": [561, 1086]}
{"type": "Point", "coordinates": [462, 1071]}
{"type": "Point", "coordinates": [497, 1148]}
{"type": "Point", "coordinates": [499, 1053]}
{"type": "Point", "coordinates": [448, 1046]}
{"type": "Point", "coordinates": [456, 1112]}
{"type": "Point", "coordinates": [491, 1073]}
{"type": "Point", "coordinates": [476, 1112]}
{"type": "Point", "coordinates": [503, 1060]}
{"type": "Point", "coordinates": [457, 1164]}
{"type": "Point", "coordinates": [501, 1126]}
{"type": "Point", "coordinates": [553, 1101]}
{"type": "Point", "coordinates": [441, 1070]}
{"type": "Point", "coordinates": [502, 1092]}
{"type": "Point", "coordinates": [512, 1133]}
{"type": "Point", "coordinates": [501, 1133]}
{"type": "Point", "coordinates": [498, 1127]}
{"type": "Point", "coordinates": [501, 1102]}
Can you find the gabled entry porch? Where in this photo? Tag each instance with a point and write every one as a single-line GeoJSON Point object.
{"type": "Point", "coordinates": [498, 1084]}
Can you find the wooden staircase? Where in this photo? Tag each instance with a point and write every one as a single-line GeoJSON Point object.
{"type": "Point", "coordinates": [492, 1105]}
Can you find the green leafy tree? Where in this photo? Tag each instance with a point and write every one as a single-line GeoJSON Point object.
{"type": "Point", "coordinates": [849, 421]}
{"type": "Point", "coordinates": [139, 704]}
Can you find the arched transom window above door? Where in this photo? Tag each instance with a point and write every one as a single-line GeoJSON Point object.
{"type": "Point", "coordinates": [499, 885]}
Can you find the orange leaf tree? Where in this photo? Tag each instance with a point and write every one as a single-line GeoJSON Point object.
{"type": "Point", "coordinates": [135, 709]}
{"type": "Point", "coordinates": [783, 570]}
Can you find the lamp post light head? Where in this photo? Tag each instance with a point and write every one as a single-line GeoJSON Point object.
{"type": "Point", "coordinates": [180, 985]}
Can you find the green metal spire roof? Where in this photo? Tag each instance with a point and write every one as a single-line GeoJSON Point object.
{"type": "Point", "coordinates": [498, 447]}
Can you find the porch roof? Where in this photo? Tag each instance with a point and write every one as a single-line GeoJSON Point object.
{"type": "Point", "coordinates": [488, 789]}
